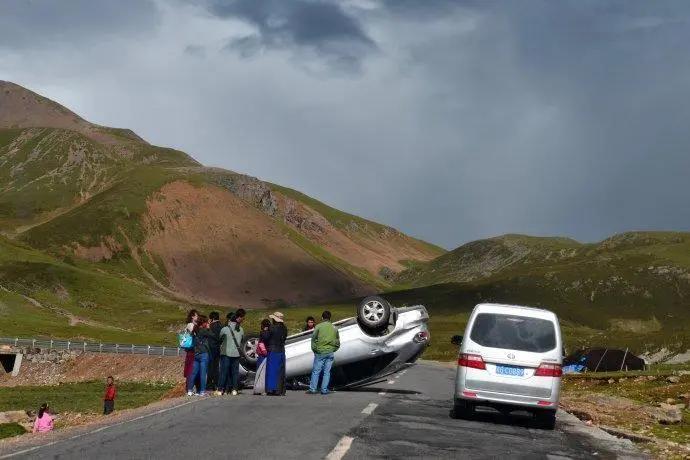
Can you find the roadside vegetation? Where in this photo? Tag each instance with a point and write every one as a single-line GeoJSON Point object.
{"type": "Point", "coordinates": [82, 397]}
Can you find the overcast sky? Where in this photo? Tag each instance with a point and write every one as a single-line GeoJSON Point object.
{"type": "Point", "coordinates": [450, 120]}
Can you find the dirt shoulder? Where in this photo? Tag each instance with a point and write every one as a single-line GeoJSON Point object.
{"type": "Point", "coordinates": [650, 410]}
{"type": "Point", "coordinates": [88, 424]}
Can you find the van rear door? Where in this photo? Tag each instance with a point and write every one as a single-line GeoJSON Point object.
{"type": "Point", "coordinates": [513, 347]}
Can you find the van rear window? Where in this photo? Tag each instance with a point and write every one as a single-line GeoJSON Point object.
{"type": "Point", "coordinates": [514, 332]}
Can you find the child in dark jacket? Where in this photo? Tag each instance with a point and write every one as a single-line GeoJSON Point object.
{"type": "Point", "coordinates": [109, 397]}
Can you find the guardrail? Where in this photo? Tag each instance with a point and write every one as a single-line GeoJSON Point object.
{"type": "Point", "coordinates": [93, 347]}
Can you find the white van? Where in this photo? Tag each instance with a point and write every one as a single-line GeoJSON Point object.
{"type": "Point", "coordinates": [510, 359]}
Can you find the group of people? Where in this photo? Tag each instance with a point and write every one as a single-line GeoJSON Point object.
{"type": "Point", "coordinates": [212, 361]}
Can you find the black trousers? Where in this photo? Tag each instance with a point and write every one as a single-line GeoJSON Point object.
{"type": "Point", "coordinates": [108, 407]}
{"type": "Point", "coordinates": [213, 370]}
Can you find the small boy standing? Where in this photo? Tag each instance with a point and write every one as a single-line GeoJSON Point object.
{"type": "Point", "coordinates": [109, 398]}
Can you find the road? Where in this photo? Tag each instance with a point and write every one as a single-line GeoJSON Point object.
{"type": "Point", "coordinates": [407, 416]}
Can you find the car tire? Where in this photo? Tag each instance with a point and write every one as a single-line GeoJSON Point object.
{"type": "Point", "coordinates": [249, 357]}
{"type": "Point", "coordinates": [373, 313]}
{"type": "Point", "coordinates": [463, 409]}
{"type": "Point", "coordinates": [545, 419]}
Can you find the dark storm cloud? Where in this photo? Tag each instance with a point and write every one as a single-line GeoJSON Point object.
{"type": "Point", "coordinates": [464, 119]}
{"type": "Point", "coordinates": [32, 23]}
{"type": "Point", "coordinates": [320, 26]}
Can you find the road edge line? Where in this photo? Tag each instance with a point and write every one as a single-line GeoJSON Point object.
{"type": "Point", "coordinates": [340, 449]}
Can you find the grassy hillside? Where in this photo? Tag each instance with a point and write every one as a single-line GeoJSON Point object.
{"type": "Point", "coordinates": [105, 198]}
{"type": "Point", "coordinates": [630, 290]}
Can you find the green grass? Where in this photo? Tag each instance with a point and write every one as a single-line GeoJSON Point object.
{"type": "Point", "coordinates": [8, 430]}
{"type": "Point", "coordinates": [82, 397]}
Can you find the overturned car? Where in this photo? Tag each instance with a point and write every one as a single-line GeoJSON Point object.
{"type": "Point", "coordinates": [381, 340]}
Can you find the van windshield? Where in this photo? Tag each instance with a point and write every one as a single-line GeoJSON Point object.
{"type": "Point", "coordinates": [514, 332]}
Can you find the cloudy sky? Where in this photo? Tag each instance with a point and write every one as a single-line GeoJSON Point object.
{"type": "Point", "coordinates": [450, 120]}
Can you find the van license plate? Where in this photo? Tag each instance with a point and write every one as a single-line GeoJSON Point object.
{"type": "Point", "coordinates": [510, 370]}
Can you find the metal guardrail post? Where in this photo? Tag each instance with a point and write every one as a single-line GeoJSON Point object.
{"type": "Point", "coordinates": [117, 345]}
{"type": "Point", "coordinates": [148, 349]}
{"type": "Point", "coordinates": [16, 341]}
{"type": "Point", "coordinates": [68, 345]}
{"type": "Point", "coordinates": [33, 344]}
{"type": "Point", "coordinates": [100, 348]}
{"type": "Point", "coordinates": [178, 351]}
{"type": "Point", "coordinates": [163, 351]}
{"type": "Point", "coordinates": [51, 344]}
{"type": "Point", "coordinates": [84, 347]}
{"type": "Point", "coordinates": [132, 348]}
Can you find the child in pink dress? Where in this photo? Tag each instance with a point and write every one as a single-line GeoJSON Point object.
{"type": "Point", "coordinates": [44, 421]}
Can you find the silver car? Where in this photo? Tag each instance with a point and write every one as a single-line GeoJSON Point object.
{"type": "Point", "coordinates": [510, 358]}
{"type": "Point", "coordinates": [379, 341]}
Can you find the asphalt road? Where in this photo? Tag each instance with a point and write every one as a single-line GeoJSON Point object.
{"type": "Point", "coordinates": [407, 416]}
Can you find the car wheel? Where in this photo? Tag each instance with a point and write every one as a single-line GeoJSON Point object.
{"type": "Point", "coordinates": [546, 419]}
{"type": "Point", "coordinates": [248, 351]}
{"type": "Point", "coordinates": [373, 313]}
{"type": "Point", "coordinates": [463, 409]}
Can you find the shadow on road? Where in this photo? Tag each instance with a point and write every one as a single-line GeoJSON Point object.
{"type": "Point", "coordinates": [488, 415]}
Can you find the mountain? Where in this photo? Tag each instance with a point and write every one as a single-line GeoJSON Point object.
{"type": "Point", "coordinates": [630, 290]}
{"type": "Point", "coordinates": [105, 202]}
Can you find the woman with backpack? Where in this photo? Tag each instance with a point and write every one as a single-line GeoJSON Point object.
{"type": "Point", "coordinates": [201, 333]}
{"type": "Point", "coordinates": [231, 337]}
{"type": "Point", "coordinates": [192, 319]}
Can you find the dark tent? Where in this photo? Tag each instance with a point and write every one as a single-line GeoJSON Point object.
{"type": "Point", "coordinates": [605, 360]}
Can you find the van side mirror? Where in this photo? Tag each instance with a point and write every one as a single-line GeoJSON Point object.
{"type": "Point", "coordinates": [456, 340]}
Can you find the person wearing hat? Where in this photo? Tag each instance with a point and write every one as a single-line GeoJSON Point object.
{"type": "Point", "coordinates": [275, 361]}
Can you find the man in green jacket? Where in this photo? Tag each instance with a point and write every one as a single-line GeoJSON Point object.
{"type": "Point", "coordinates": [325, 341]}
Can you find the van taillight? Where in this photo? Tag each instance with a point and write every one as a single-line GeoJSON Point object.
{"type": "Point", "coordinates": [473, 361]}
{"type": "Point", "coordinates": [548, 370]}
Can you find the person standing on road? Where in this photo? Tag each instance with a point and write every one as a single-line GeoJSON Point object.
{"type": "Point", "coordinates": [261, 354]}
{"type": "Point", "coordinates": [44, 421]}
{"type": "Point", "coordinates": [214, 350]}
{"type": "Point", "coordinates": [109, 397]}
{"type": "Point", "coordinates": [275, 362]}
{"type": "Point", "coordinates": [324, 343]}
{"type": "Point", "coordinates": [192, 319]}
{"type": "Point", "coordinates": [200, 368]}
{"type": "Point", "coordinates": [231, 339]}
{"type": "Point", "coordinates": [309, 324]}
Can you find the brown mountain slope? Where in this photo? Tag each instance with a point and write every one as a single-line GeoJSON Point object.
{"type": "Point", "coordinates": [200, 234]}
{"type": "Point", "coordinates": [22, 108]}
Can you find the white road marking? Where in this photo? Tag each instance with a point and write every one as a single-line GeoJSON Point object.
{"type": "Point", "coordinates": [382, 393]}
{"type": "Point", "coordinates": [391, 382]}
{"type": "Point", "coordinates": [97, 430]}
{"type": "Point", "coordinates": [370, 408]}
{"type": "Point", "coordinates": [340, 449]}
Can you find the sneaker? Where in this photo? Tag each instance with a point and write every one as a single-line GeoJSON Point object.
{"type": "Point", "coordinates": [217, 393]}
{"type": "Point", "coordinates": [311, 392]}
{"type": "Point", "coordinates": [190, 393]}
{"type": "Point", "coordinates": [234, 392]}
{"type": "Point", "coordinates": [325, 392]}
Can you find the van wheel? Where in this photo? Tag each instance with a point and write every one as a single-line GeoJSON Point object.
{"type": "Point", "coordinates": [545, 419]}
{"type": "Point", "coordinates": [248, 353]}
{"type": "Point", "coordinates": [374, 312]}
{"type": "Point", "coordinates": [463, 409]}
